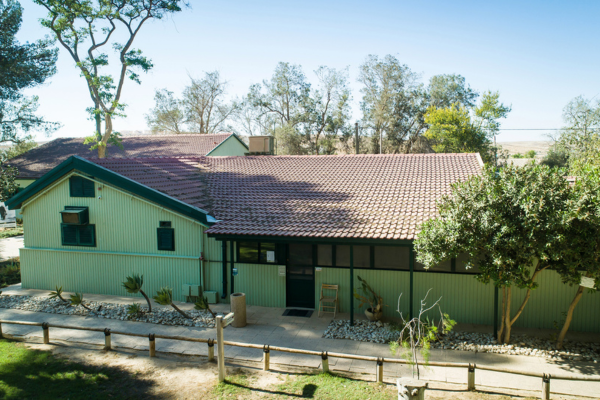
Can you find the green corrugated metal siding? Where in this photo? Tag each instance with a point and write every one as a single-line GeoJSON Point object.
{"type": "Point", "coordinates": [123, 223]}
{"type": "Point", "coordinates": [261, 283]}
{"type": "Point", "coordinates": [103, 273]}
{"type": "Point", "coordinates": [229, 147]}
{"type": "Point", "coordinates": [550, 300]}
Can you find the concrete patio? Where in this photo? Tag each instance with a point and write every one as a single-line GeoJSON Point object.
{"type": "Point", "coordinates": [269, 326]}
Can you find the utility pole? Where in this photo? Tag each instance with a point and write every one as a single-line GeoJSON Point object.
{"type": "Point", "coordinates": [356, 143]}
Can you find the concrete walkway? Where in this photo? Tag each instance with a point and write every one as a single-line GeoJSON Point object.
{"type": "Point", "coordinates": [9, 247]}
{"type": "Point", "coordinates": [268, 326]}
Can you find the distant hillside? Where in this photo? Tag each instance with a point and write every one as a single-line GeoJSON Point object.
{"type": "Point", "coordinates": [540, 147]}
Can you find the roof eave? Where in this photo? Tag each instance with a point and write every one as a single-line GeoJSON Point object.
{"type": "Point", "coordinates": [102, 174]}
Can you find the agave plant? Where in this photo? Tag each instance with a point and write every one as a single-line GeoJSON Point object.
{"type": "Point", "coordinates": [77, 300]}
{"type": "Point", "coordinates": [133, 285]}
{"type": "Point", "coordinates": [164, 297]}
{"type": "Point", "coordinates": [58, 294]}
{"type": "Point", "coordinates": [202, 304]}
{"type": "Point", "coordinates": [134, 309]}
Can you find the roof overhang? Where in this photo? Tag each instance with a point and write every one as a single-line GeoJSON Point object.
{"type": "Point", "coordinates": [96, 172]}
{"type": "Point", "coordinates": [311, 240]}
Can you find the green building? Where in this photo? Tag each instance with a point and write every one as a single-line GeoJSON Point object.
{"type": "Point", "coordinates": [273, 227]}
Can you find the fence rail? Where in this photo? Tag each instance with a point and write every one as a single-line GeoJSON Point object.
{"type": "Point", "coordinates": [323, 354]}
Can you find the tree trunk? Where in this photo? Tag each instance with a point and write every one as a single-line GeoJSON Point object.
{"type": "Point", "coordinates": [527, 295]}
{"type": "Point", "coordinates": [147, 300]}
{"type": "Point", "coordinates": [180, 312]}
{"type": "Point", "coordinates": [107, 133]}
{"type": "Point", "coordinates": [503, 316]}
{"type": "Point", "coordinates": [565, 328]}
{"type": "Point", "coordinates": [507, 322]}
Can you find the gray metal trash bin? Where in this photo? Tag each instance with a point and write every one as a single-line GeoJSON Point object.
{"type": "Point", "coordinates": [238, 307]}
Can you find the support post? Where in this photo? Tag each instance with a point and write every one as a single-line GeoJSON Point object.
{"type": "Point", "coordinates": [325, 362]}
{"type": "Point", "coordinates": [471, 377]}
{"type": "Point", "coordinates": [211, 350]}
{"type": "Point", "coordinates": [496, 312]}
{"type": "Point", "coordinates": [231, 250]}
{"type": "Point", "coordinates": [107, 339]}
{"type": "Point", "coordinates": [546, 387]}
{"type": "Point", "coordinates": [152, 343]}
{"type": "Point", "coordinates": [380, 370]}
{"type": "Point", "coordinates": [224, 268]}
{"type": "Point", "coordinates": [1, 331]}
{"type": "Point", "coordinates": [266, 357]}
{"type": "Point", "coordinates": [411, 267]}
{"type": "Point", "coordinates": [221, 357]}
{"type": "Point", "coordinates": [46, 331]}
{"type": "Point", "coordinates": [351, 285]}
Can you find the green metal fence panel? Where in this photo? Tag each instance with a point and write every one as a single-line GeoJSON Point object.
{"type": "Point", "coordinates": [261, 283]}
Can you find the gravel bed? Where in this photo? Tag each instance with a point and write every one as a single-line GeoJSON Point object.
{"type": "Point", "coordinates": [159, 315]}
{"type": "Point", "coordinates": [378, 332]}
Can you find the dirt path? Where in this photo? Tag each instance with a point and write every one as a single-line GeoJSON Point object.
{"type": "Point", "coordinates": [189, 377]}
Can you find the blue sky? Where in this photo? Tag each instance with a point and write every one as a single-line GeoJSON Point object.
{"type": "Point", "coordinates": [538, 54]}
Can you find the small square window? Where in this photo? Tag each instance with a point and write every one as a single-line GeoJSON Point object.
{"type": "Point", "coordinates": [166, 239]}
{"type": "Point", "coordinates": [164, 224]}
{"type": "Point", "coordinates": [81, 187]}
{"type": "Point", "coordinates": [78, 235]}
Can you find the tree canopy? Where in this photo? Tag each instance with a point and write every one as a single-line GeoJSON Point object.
{"type": "Point", "coordinates": [22, 66]}
{"type": "Point", "coordinates": [507, 222]}
{"type": "Point", "coordinates": [85, 29]}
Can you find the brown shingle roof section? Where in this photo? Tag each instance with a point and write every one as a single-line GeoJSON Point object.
{"type": "Point", "coordinates": [38, 161]}
{"type": "Point", "coordinates": [351, 196]}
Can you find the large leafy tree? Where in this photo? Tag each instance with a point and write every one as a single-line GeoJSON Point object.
{"type": "Point", "coordinates": [86, 29]}
{"type": "Point", "coordinates": [22, 66]}
{"type": "Point", "coordinates": [168, 114]}
{"type": "Point", "coordinates": [583, 257]}
{"type": "Point", "coordinates": [508, 223]}
{"type": "Point", "coordinates": [450, 89]}
{"type": "Point", "coordinates": [393, 104]}
{"type": "Point", "coordinates": [456, 129]}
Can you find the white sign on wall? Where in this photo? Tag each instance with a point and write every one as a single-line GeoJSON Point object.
{"type": "Point", "coordinates": [270, 256]}
{"type": "Point", "coordinates": [587, 282]}
{"type": "Point", "coordinates": [282, 270]}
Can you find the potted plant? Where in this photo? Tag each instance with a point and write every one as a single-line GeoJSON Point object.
{"type": "Point", "coordinates": [366, 295]}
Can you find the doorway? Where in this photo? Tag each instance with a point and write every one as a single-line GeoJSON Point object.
{"type": "Point", "coordinates": [300, 276]}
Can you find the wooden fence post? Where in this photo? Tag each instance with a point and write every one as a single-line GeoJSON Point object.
{"type": "Point", "coordinates": [546, 387]}
{"type": "Point", "coordinates": [325, 362]}
{"type": "Point", "coordinates": [152, 343]}
{"type": "Point", "coordinates": [471, 377]}
{"type": "Point", "coordinates": [107, 339]}
{"type": "Point", "coordinates": [266, 357]}
{"type": "Point", "coordinates": [46, 332]}
{"type": "Point", "coordinates": [1, 331]}
{"type": "Point", "coordinates": [380, 370]}
{"type": "Point", "coordinates": [221, 359]}
{"type": "Point", "coordinates": [211, 350]}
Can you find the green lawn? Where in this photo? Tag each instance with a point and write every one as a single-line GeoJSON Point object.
{"type": "Point", "coordinates": [6, 233]}
{"type": "Point", "coordinates": [34, 374]}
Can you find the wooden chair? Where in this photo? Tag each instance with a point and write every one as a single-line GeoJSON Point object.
{"type": "Point", "coordinates": [328, 302]}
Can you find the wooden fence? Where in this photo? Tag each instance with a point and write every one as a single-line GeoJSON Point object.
{"type": "Point", "coordinates": [378, 361]}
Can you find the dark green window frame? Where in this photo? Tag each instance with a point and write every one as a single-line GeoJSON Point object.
{"type": "Point", "coordinates": [81, 187]}
{"type": "Point", "coordinates": [78, 235]}
{"type": "Point", "coordinates": [278, 248]}
{"type": "Point", "coordinates": [165, 239]}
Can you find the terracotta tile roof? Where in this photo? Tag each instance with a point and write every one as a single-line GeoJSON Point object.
{"type": "Point", "coordinates": [38, 161]}
{"type": "Point", "coordinates": [351, 196]}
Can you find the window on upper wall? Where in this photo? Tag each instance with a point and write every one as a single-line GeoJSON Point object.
{"type": "Point", "coordinates": [392, 257]}
{"type": "Point", "coordinates": [78, 235]}
{"type": "Point", "coordinates": [361, 255]}
{"type": "Point", "coordinates": [325, 255]}
{"type": "Point", "coordinates": [258, 253]}
{"type": "Point", "coordinates": [81, 187]}
{"type": "Point", "coordinates": [166, 239]}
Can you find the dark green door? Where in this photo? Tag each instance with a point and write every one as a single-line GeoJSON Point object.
{"type": "Point", "coordinates": [300, 277]}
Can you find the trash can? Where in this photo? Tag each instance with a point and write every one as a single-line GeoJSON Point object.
{"type": "Point", "coordinates": [238, 308]}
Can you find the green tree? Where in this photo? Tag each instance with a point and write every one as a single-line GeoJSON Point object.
{"type": "Point", "coordinates": [393, 104]}
{"type": "Point", "coordinates": [17, 149]}
{"type": "Point", "coordinates": [85, 28]}
{"type": "Point", "coordinates": [556, 158]}
{"type": "Point", "coordinates": [456, 129]}
{"type": "Point", "coordinates": [508, 223]}
{"type": "Point", "coordinates": [450, 89]}
{"type": "Point", "coordinates": [167, 115]}
{"type": "Point", "coordinates": [22, 66]}
{"type": "Point", "coordinates": [530, 154]}
{"type": "Point", "coordinates": [583, 258]}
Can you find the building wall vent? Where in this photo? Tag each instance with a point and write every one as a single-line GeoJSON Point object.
{"type": "Point", "coordinates": [262, 145]}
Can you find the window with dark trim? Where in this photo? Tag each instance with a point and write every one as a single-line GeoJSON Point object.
{"type": "Point", "coordinates": [165, 239]}
{"type": "Point", "coordinates": [258, 253]}
{"type": "Point", "coordinates": [81, 187]}
{"type": "Point", "coordinates": [78, 235]}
